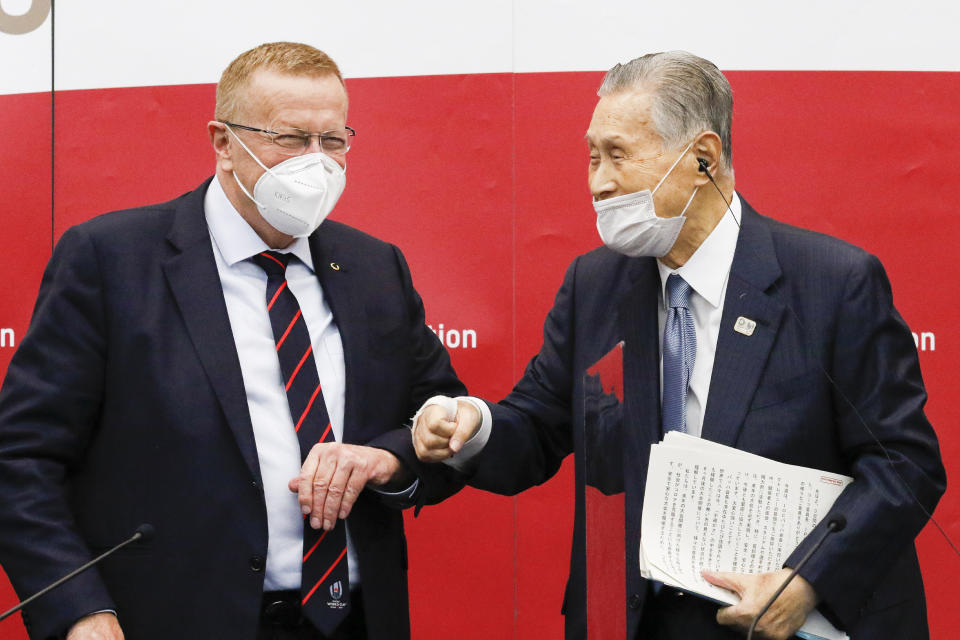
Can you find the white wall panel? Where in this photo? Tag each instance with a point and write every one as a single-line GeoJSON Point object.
{"type": "Point", "coordinates": [116, 43]}
{"type": "Point", "coordinates": [25, 57]}
{"type": "Point", "coordinates": [180, 42]}
{"type": "Point", "coordinates": [574, 35]}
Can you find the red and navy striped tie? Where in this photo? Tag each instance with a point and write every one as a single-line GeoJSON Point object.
{"type": "Point", "coordinates": [325, 585]}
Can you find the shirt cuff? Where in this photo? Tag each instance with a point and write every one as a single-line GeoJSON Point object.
{"type": "Point", "coordinates": [403, 494]}
{"type": "Point", "coordinates": [472, 447]}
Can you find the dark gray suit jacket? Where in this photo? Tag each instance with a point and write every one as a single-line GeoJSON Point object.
{"type": "Point", "coordinates": [828, 339]}
{"type": "Point", "coordinates": [125, 404]}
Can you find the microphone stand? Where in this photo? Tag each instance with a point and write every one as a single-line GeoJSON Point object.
{"type": "Point", "coordinates": [836, 524]}
{"type": "Point", "coordinates": [143, 532]}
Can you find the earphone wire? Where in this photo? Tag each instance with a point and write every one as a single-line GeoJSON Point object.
{"type": "Point", "coordinates": [833, 383]}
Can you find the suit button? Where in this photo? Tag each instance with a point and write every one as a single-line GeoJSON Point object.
{"type": "Point", "coordinates": [634, 601]}
{"type": "Point", "coordinates": [255, 484]}
{"type": "Point", "coordinates": [256, 563]}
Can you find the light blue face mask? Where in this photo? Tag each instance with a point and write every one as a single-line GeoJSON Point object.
{"type": "Point", "coordinates": [629, 224]}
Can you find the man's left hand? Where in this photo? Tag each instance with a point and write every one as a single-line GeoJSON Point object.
{"type": "Point", "coordinates": [785, 616]}
{"type": "Point", "coordinates": [334, 474]}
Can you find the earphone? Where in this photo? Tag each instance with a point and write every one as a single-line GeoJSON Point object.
{"type": "Point", "coordinates": [704, 168]}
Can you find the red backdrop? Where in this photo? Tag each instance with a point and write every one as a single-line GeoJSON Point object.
{"type": "Point", "coordinates": [481, 180]}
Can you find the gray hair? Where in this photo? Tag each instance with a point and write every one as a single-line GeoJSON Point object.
{"type": "Point", "coordinates": [690, 95]}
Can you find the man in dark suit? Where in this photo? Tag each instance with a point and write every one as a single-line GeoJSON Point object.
{"type": "Point", "coordinates": [737, 328]}
{"type": "Point", "coordinates": [185, 359]}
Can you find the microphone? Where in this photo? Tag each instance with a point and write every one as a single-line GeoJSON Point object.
{"type": "Point", "coordinates": [143, 533]}
{"type": "Point", "coordinates": [836, 524]}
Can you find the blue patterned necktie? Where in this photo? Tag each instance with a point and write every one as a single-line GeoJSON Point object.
{"type": "Point", "coordinates": [325, 588]}
{"type": "Point", "coordinates": [679, 351]}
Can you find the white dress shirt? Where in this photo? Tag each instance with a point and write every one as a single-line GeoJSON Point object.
{"type": "Point", "coordinates": [244, 290]}
{"type": "Point", "coordinates": [707, 272]}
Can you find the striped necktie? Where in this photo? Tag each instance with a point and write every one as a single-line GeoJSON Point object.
{"type": "Point", "coordinates": [679, 351]}
{"type": "Point", "coordinates": [325, 582]}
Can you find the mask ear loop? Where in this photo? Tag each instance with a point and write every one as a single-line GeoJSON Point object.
{"type": "Point", "coordinates": [692, 196]}
{"type": "Point", "coordinates": [244, 189]}
{"type": "Point", "coordinates": [255, 159]}
{"type": "Point", "coordinates": [247, 149]}
{"type": "Point", "coordinates": [672, 167]}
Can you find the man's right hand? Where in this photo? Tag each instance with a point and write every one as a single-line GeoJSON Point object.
{"type": "Point", "coordinates": [436, 437]}
{"type": "Point", "coordinates": [97, 626]}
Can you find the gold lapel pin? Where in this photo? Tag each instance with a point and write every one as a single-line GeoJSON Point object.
{"type": "Point", "coordinates": [745, 326]}
{"type": "Point", "coordinates": [335, 266]}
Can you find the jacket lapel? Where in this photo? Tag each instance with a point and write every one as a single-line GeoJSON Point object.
{"type": "Point", "coordinates": [339, 282]}
{"type": "Point", "coordinates": [191, 272]}
{"type": "Point", "coordinates": [741, 358]}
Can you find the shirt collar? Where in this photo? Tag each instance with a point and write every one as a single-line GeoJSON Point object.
{"type": "Point", "coordinates": [234, 238]}
{"type": "Point", "coordinates": [708, 268]}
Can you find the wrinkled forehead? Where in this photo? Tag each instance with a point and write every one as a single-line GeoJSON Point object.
{"type": "Point", "coordinates": [270, 93]}
{"type": "Point", "coordinates": [624, 117]}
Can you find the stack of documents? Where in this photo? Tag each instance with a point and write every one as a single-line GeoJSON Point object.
{"type": "Point", "coordinates": [708, 506]}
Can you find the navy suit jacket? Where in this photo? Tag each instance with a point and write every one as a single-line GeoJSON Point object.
{"type": "Point", "coordinates": [828, 339]}
{"type": "Point", "coordinates": [125, 404]}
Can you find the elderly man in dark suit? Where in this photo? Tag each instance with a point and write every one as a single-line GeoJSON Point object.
{"type": "Point", "coordinates": [186, 359]}
{"type": "Point", "coordinates": [737, 328]}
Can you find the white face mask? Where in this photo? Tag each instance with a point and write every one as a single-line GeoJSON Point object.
{"type": "Point", "coordinates": [629, 224]}
{"type": "Point", "coordinates": [295, 196]}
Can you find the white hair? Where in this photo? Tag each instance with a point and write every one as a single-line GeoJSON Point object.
{"type": "Point", "coordinates": [689, 95]}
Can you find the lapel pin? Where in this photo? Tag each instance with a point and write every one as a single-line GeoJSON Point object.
{"type": "Point", "coordinates": [745, 326]}
{"type": "Point", "coordinates": [335, 266]}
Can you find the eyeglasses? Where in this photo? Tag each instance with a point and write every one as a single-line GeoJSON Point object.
{"type": "Point", "coordinates": [335, 142]}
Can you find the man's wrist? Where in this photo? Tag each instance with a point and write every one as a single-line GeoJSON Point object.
{"type": "Point", "coordinates": [391, 474]}
{"type": "Point", "coordinates": [84, 619]}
